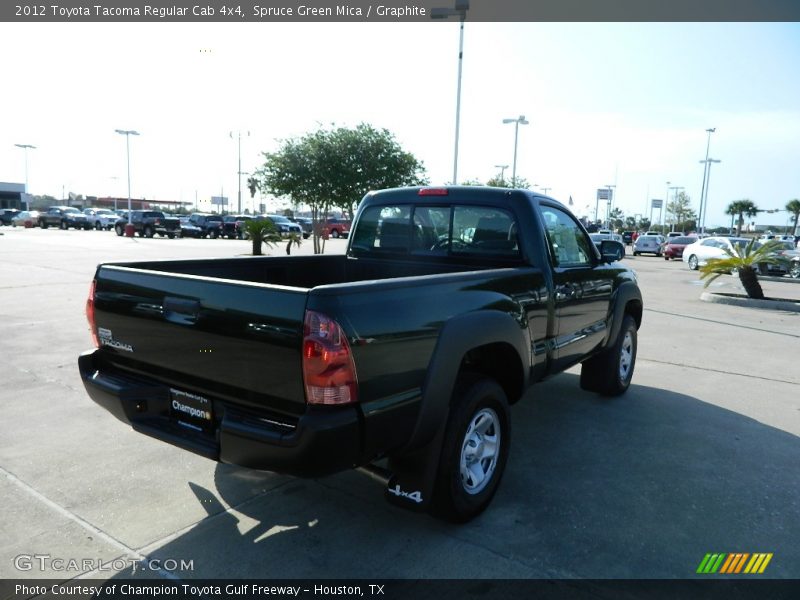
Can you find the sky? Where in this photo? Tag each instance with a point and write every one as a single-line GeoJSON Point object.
{"type": "Point", "coordinates": [607, 104]}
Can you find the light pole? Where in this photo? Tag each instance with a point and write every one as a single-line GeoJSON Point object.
{"type": "Point", "coordinates": [239, 171]}
{"type": "Point", "coordinates": [502, 173]}
{"type": "Point", "coordinates": [517, 122]}
{"type": "Point", "coordinates": [706, 181]}
{"type": "Point", "coordinates": [26, 147]}
{"type": "Point", "coordinates": [460, 11]}
{"type": "Point", "coordinates": [706, 169]}
{"type": "Point", "coordinates": [128, 133]}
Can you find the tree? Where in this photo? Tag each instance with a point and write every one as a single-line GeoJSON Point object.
{"type": "Point", "coordinates": [616, 218]}
{"type": "Point", "coordinates": [742, 208]}
{"type": "Point", "coordinates": [252, 185]}
{"type": "Point", "coordinates": [682, 212]}
{"type": "Point", "coordinates": [495, 181]}
{"type": "Point", "coordinates": [261, 231]}
{"type": "Point", "coordinates": [335, 167]}
{"type": "Point", "coordinates": [746, 260]}
{"type": "Point", "coordinates": [793, 206]}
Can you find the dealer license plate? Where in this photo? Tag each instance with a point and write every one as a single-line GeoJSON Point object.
{"type": "Point", "coordinates": [191, 410]}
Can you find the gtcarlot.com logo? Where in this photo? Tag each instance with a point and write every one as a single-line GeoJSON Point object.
{"type": "Point", "coordinates": [735, 563]}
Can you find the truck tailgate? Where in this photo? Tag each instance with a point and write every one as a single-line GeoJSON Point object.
{"type": "Point", "coordinates": [236, 340]}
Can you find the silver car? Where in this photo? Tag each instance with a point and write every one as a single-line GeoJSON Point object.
{"type": "Point", "coordinates": [648, 244]}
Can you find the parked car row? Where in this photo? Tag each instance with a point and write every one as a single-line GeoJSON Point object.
{"type": "Point", "coordinates": [148, 223]}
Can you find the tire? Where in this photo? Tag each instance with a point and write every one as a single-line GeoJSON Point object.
{"type": "Point", "coordinates": [610, 372]}
{"type": "Point", "coordinates": [636, 253]}
{"type": "Point", "coordinates": [98, 226]}
{"type": "Point", "coordinates": [42, 224]}
{"type": "Point", "coordinates": [794, 271]}
{"type": "Point", "coordinates": [119, 229]}
{"type": "Point", "coordinates": [335, 234]}
{"type": "Point", "coordinates": [478, 414]}
{"type": "Point", "coordinates": [148, 232]}
{"type": "Point", "coordinates": [666, 258]}
{"type": "Point", "coordinates": [64, 225]}
{"type": "Point", "coordinates": [171, 236]}
{"type": "Point", "coordinates": [692, 262]}
{"type": "Point", "coordinates": [213, 234]}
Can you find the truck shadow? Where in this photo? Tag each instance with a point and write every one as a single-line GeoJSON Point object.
{"type": "Point", "coordinates": [640, 486]}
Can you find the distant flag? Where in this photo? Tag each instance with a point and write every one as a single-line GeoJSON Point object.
{"type": "Point", "coordinates": [570, 200]}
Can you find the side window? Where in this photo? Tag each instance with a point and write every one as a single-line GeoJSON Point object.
{"type": "Point", "coordinates": [569, 245]}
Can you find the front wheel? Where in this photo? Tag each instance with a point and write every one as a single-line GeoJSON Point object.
{"type": "Point", "coordinates": [334, 234]}
{"type": "Point", "coordinates": [64, 225]}
{"type": "Point", "coordinates": [149, 232]}
{"type": "Point", "coordinates": [610, 372]}
{"type": "Point", "coordinates": [119, 229]}
{"type": "Point", "coordinates": [692, 262]}
{"type": "Point", "coordinates": [474, 451]}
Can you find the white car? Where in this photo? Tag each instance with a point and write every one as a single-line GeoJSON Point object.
{"type": "Point", "coordinates": [697, 254]}
{"type": "Point", "coordinates": [101, 218]}
{"type": "Point", "coordinates": [648, 244]}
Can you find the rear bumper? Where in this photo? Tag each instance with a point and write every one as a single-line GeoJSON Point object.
{"type": "Point", "coordinates": [320, 442]}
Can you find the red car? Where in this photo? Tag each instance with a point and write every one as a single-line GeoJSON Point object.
{"type": "Point", "coordinates": [335, 228]}
{"type": "Point", "coordinates": [675, 245]}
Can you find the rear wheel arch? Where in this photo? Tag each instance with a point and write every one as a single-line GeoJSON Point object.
{"type": "Point", "coordinates": [464, 345]}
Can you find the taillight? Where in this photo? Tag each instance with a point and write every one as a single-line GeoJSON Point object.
{"type": "Point", "coordinates": [328, 369]}
{"type": "Point", "coordinates": [90, 314]}
{"type": "Point", "coordinates": [432, 192]}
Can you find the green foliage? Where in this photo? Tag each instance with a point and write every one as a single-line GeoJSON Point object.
{"type": "Point", "coordinates": [261, 231]}
{"type": "Point", "coordinates": [616, 219]}
{"type": "Point", "coordinates": [683, 216]}
{"type": "Point", "coordinates": [334, 168]}
{"type": "Point", "coordinates": [741, 208]}
{"type": "Point", "coordinates": [252, 185]}
{"type": "Point", "coordinates": [746, 261]}
{"type": "Point", "coordinates": [793, 206]}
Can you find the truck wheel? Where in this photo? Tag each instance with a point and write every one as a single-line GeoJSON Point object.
{"type": "Point", "coordinates": [97, 225]}
{"type": "Point", "coordinates": [148, 232]}
{"type": "Point", "coordinates": [474, 451]}
{"type": "Point", "coordinates": [64, 225]}
{"type": "Point", "coordinates": [170, 235]}
{"type": "Point", "coordinates": [610, 372]}
{"type": "Point", "coordinates": [335, 233]}
{"type": "Point", "coordinates": [119, 230]}
{"type": "Point", "coordinates": [42, 224]}
{"type": "Point", "coordinates": [213, 234]}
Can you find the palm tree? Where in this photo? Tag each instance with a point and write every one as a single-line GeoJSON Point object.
{"type": "Point", "coordinates": [741, 207]}
{"type": "Point", "coordinates": [746, 261]}
{"type": "Point", "coordinates": [793, 206]}
{"type": "Point", "coordinates": [261, 231]}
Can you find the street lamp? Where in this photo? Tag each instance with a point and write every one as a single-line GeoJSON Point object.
{"type": "Point", "coordinates": [706, 173]}
{"type": "Point", "coordinates": [128, 133]}
{"type": "Point", "coordinates": [460, 11]}
{"type": "Point", "coordinates": [239, 172]}
{"type": "Point", "coordinates": [502, 173]}
{"type": "Point", "coordinates": [26, 147]}
{"type": "Point", "coordinates": [706, 182]}
{"type": "Point", "coordinates": [517, 122]}
{"type": "Point", "coordinates": [675, 197]}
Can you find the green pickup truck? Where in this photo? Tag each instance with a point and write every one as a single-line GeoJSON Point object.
{"type": "Point", "coordinates": [401, 356]}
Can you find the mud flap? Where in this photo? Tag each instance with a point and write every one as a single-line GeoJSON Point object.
{"type": "Point", "coordinates": [413, 478]}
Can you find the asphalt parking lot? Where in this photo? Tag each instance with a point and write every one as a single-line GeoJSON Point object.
{"type": "Point", "coordinates": [701, 454]}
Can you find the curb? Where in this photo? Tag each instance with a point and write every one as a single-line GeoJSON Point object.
{"type": "Point", "coordinates": [788, 305]}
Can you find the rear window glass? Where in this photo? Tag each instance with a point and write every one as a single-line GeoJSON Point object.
{"type": "Point", "coordinates": [437, 231]}
{"type": "Point", "coordinates": [682, 240]}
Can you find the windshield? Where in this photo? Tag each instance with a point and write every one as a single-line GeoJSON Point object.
{"type": "Point", "coordinates": [279, 219]}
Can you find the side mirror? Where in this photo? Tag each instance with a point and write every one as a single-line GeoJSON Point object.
{"type": "Point", "coordinates": [611, 251]}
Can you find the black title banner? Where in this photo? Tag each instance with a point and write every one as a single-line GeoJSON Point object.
{"type": "Point", "coordinates": [107, 11]}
